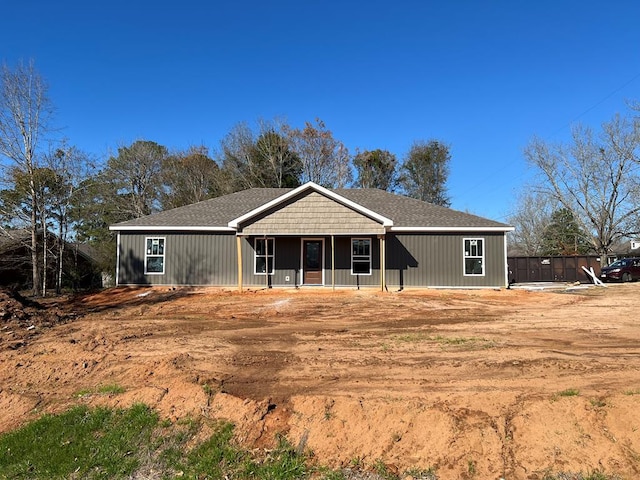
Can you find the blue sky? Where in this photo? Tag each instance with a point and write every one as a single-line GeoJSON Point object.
{"type": "Point", "coordinates": [481, 76]}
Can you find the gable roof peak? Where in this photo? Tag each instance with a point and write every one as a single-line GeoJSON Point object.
{"type": "Point", "coordinates": [386, 222]}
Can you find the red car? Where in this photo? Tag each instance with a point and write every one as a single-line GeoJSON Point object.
{"type": "Point", "coordinates": [624, 270]}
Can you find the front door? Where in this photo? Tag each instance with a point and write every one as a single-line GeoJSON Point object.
{"type": "Point", "coordinates": [312, 262]}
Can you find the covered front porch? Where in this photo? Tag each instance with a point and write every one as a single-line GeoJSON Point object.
{"type": "Point", "coordinates": [316, 260]}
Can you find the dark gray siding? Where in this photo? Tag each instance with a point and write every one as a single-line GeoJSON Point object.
{"type": "Point", "coordinates": [343, 274]}
{"type": "Point", "coordinates": [436, 260]}
{"type": "Point", "coordinates": [287, 263]}
{"type": "Point", "coordinates": [413, 260]}
{"type": "Point", "coordinates": [190, 259]}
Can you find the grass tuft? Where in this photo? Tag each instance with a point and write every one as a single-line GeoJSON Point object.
{"type": "Point", "coordinates": [569, 392]}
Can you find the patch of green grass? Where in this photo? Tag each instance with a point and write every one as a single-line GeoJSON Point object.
{"type": "Point", "coordinates": [83, 392]}
{"type": "Point", "coordinates": [569, 392]}
{"type": "Point", "coordinates": [110, 389]}
{"type": "Point", "coordinates": [412, 337]}
{"type": "Point", "coordinates": [444, 341]}
{"type": "Point", "coordinates": [471, 467]}
{"type": "Point", "coordinates": [284, 463]}
{"type": "Point", "coordinates": [633, 392]}
{"type": "Point", "coordinates": [107, 443]}
{"type": "Point", "coordinates": [428, 474]}
{"type": "Point", "coordinates": [97, 443]}
{"type": "Point", "coordinates": [594, 475]}
{"type": "Point", "coordinates": [383, 471]}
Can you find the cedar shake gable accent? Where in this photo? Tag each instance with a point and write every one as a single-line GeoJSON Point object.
{"type": "Point", "coordinates": [311, 209]}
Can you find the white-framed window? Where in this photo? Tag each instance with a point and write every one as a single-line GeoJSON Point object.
{"type": "Point", "coordinates": [360, 256]}
{"type": "Point", "coordinates": [474, 256]}
{"type": "Point", "coordinates": [264, 249]}
{"type": "Point", "coordinates": [154, 256]}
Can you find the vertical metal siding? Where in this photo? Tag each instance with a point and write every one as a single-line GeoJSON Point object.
{"type": "Point", "coordinates": [287, 263]}
{"type": "Point", "coordinates": [436, 260]}
{"type": "Point", "coordinates": [190, 259]}
{"type": "Point", "coordinates": [420, 260]}
{"type": "Point", "coordinates": [343, 263]}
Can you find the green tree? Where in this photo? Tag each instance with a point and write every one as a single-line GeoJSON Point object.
{"type": "Point", "coordinates": [92, 210]}
{"type": "Point", "coordinates": [376, 169]}
{"type": "Point", "coordinates": [563, 235]}
{"type": "Point", "coordinates": [425, 172]}
{"type": "Point", "coordinates": [130, 186]}
{"type": "Point", "coordinates": [134, 177]}
{"type": "Point", "coordinates": [189, 177]}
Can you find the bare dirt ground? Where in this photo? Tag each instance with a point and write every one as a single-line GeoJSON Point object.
{"type": "Point", "coordinates": [475, 384]}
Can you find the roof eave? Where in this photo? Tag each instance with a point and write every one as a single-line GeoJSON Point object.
{"type": "Point", "coordinates": [173, 228]}
{"type": "Point", "coordinates": [452, 229]}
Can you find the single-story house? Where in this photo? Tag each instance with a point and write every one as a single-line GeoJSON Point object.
{"type": "Point", "coordinates": [310, 235]}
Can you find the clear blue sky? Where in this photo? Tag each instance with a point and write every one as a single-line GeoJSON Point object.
{"type": "Point", "coordinates": [482, 76]}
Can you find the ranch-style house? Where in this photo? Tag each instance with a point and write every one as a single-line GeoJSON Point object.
{"type": "Point", "coordinates": [312, 236]}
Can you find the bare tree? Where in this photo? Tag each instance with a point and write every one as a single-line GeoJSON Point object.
{"type": "Point", "coordinates": [596, 178]}
{"type": "Point", "coordinates": [264, 158]}
{"type": "Point", "coordinates": [325, 160]}
{"type": "Point", "coordinates": [530, 219]}
{"type": "Point", "coordinates": [25, 111]}
{"type": "Point", "coordinates": [69, 168]}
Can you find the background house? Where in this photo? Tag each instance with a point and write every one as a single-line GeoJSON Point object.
{"type": "Point", "coordinates": [79, 266]}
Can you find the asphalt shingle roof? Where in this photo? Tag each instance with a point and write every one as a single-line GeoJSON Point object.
{"type": "Point", "coordinates": [403, 211]}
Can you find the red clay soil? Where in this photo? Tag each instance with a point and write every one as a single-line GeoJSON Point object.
{"type": "Point", "coordinates": [475, 384]}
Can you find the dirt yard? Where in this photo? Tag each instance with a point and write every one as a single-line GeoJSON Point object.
{"type": "Point", "coordinates": [476, 384]}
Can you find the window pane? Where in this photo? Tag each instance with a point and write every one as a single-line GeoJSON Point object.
{"type": "Point", "coordinates": [312, 255]}
{"type": "Point", "coordinates": [270, 246]}
{"type": "Point", "coordinates": [362, 267]}
{"type": "Point", "coordinates": [473, 266]}
{"type": "Point", "coordinates": [259, 246]}
{"type": "Point", "coordinates": [155, 264]}
{"type": "Point", "coordinates": [261, 265]}
{"type": "Point", "coordinates": [361, 247]}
